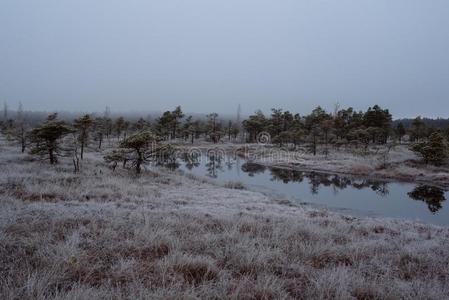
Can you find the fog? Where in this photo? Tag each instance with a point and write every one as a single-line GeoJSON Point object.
{"type": "Point", "coordinates": [208, 55]}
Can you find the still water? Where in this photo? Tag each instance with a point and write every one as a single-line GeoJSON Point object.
{"type": "Point", "coordinates": [351, 195]}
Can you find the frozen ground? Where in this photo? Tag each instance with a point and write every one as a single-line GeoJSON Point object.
{"type": "Point", "coordinates": [106, 235]}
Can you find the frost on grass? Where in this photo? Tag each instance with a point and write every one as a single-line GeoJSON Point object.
{"type": "Point", "coordinates": [100, 234]}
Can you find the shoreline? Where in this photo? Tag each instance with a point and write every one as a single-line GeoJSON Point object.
{"type": "Point", "coordinates": [406, 170]}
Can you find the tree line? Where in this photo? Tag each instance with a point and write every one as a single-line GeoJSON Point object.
{"type": "Point", "coordinates": [319, 131]}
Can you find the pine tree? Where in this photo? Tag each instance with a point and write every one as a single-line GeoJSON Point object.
{"type": "Point", "coordinates": [418, 129]}
{"type": "Point", "coordinates": [434, 151]}
{"type": "Point", "coordinates": [83, 125]}
{"type": "Point", "coordinates": [139, 148]}
{"type": "Point", "coordinates": [141, 125]}
{"type": "Point", "coordinates": [177, 115]}
{"type": "Point", "coordinates": [46, 139]}
{"type": "Point", "coordinates": [213, 127]}
{"type": "Point", "coordinates": [99, 128]}
{"type": "Point", "coordinates": [400, 129]}
{"type": "Point", "coordinates": [314, 124]}
{"type": "Point", "coordinates": [380, 119]}
{"type": "Point", "coordinates": [188, 129]}
{"type": "Point", "coordinates": [163, 126]}
{"type": "Point", "coordinates": [255, 124]}
{"type": "Point", "coordinates": [119, 126]}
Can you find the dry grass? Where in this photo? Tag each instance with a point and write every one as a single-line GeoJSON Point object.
{"type": "Point", "coordinates": [234, 185]}
{"type": "Point", "coordinates": [104, 235]}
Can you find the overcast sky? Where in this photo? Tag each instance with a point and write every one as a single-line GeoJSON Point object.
{"type": "Point", "coordinates": [210, 55]}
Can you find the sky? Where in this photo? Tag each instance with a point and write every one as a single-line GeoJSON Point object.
{"type": "Point", "coordinates": [210, 55]}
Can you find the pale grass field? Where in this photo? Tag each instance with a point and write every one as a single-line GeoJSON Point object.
{"type": "Point", "coordinates": [105, 235]}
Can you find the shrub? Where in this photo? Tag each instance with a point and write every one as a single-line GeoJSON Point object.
{"type": "Point", "coordinates": [234, 185]}
{"type": "Point", "coordinates": [434, 151]}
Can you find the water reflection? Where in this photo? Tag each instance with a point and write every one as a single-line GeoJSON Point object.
{"type": "Point", "coordinates": [191, 160]}
{"type": "Point", "coordinates": [431, 195]}
{"type": "Point", "coordinates": [252, 169]}
{"type": "Point", "coordinates": [216, 164]}
{"type": "Point", "coordinates": [321, 179]}
{"type": "Point", "coordinates": [168, 159]}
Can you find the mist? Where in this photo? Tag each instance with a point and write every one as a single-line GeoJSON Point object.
{"type": "Point", "coordinates": [214, 55]}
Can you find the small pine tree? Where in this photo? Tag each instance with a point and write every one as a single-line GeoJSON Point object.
{"type": "Point", "coordinates": [138, 149]}
{"type": "Point", "coordinates": [213, 127]}
{"type": "Point", "coordinates": [177, 115]}
{"type": "Point", "coordinates": [119, 126]}
{"type": "Point", "coordinates": [400, 129]}
{"type": "Point", "coordinates": [82, 125]}
{"type": "Point", "coordinates": [434, 151]}
{"type": "Point", "coordinates": [46, 139]}
{"type": "Point", "coordinates": [361, 136]}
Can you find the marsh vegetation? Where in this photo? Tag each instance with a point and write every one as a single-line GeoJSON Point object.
{"type": "Point", "coordinates": [103, 234]}
{"type": "Point", "coordinates": [87, 212]}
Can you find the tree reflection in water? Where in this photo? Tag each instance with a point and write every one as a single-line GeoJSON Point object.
{"type": "Point", "coordinates": [191, 160]}
{"type": "Point", "coordinates": [431, 195]}
{"type": "Point", "coordinates": [251, 168]}
{"type": "Point", "coordinates": [380, 188]}
{"type": "Point", "coordinates": [230, 162]}
{"type": "Point", "coordinates": [168, 159]}
{"type": "Point", "coordinates": [319, 179]}
{"type": "Point", "coordinates": [286, 175]}
{"type": "Point", "coordinates": [214, 162]}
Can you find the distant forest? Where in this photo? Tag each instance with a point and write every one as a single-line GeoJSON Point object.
{"type": "Point", "coordinates": [439, 123]}
{"type": "Point", "coordinates": [36, 117]}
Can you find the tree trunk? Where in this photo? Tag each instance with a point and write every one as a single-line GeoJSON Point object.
{"type": "Point", "coordinates": [23, 142]}
{"type": "Point", "coordinates": [174, 131]}
{"type": "Point", "coordinates": [138, 162]}
{"type": "Point", "coordinates": [326, 142]}
{"type": "Point", "coordinates": [22, 138]}
{"type": "Point", "coordinates": [51, 155]}
{"type": "Point", "coordinates": [82, 149]}
{"type": "Point", "coordinates": [314, 145]}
